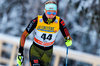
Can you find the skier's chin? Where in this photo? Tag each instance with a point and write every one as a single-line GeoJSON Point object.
{"type": "Point", "coordinates": [51, 17]}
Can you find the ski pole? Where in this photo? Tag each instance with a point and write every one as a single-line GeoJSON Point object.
{"type": "Point", "coordinates": [66, 56]}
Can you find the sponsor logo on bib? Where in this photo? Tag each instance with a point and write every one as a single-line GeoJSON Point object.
{"type": "Point", "coordinates": [40, 20]}
{"type": "Point", "coordinates": [46, 28]}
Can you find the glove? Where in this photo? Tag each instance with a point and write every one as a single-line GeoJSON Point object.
{"type": "Point", "coordinates": [68, 42]}
{"type": "Point", "coordinates": [20, 59]}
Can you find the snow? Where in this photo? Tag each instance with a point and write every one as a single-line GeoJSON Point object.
{"type": "Point", "coordinates": [43, 1]}
{"type": "Point", "coordinates": [97, 1]}
{"type": "Point", "coordinates": [4, 19]}
{"type": "Point", "coordinates": [63, 4]}
{"type": "Point", "coordinates": [1, 2]}
{"type": "Point", "coordinates": [93, 36]}
{"type": "Point", "coordinates": [84, 4]}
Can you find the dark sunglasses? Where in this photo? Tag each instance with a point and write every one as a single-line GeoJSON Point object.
{"type": "Point", "coordinates": [49, 13]}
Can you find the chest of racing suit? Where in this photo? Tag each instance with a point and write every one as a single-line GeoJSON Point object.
{"type": "Point", "coordinates": [45, 34]}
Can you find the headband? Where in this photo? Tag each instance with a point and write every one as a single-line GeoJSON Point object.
{"type": "Point", "coordinates": [51, 6]}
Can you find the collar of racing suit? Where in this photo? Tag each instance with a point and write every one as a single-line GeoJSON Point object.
{"type": "Point", "coordinates": [46, 19]}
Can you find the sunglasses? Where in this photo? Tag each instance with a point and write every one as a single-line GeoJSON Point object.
{"type": "Point", "coordinates": [49, 13]}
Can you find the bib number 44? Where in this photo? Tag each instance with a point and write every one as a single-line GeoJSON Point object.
{"type": "Point", "coordinates": [49, 37]}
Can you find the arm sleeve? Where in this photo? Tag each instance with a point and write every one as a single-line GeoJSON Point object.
{"type": "Point", "coordinates": [26, 32]}
{"type": "Point", "coordinates": [64, 30]}
{"type": "Point", "coordinates": [31, 25]}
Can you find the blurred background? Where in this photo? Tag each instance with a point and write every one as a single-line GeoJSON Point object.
{"type": "Point", "coordinates": [82, 18]}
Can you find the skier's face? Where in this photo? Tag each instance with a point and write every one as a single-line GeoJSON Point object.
{"type": "Point", "coordinates": [50, 13]}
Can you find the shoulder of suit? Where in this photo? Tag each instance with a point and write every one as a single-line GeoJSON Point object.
{"type": "Point", "coordinates": [39, 15]}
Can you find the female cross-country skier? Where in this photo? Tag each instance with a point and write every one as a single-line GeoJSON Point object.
{"type": "Point", "coordinates": [46, 28]}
